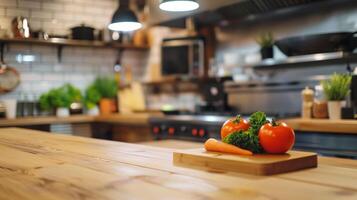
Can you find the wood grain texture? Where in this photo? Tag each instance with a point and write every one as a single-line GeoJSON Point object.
{"type": "Point", "coordinates": [38, 165]}
{"type": "Point", "coordinates": [323, 125]}
{"type": "Point", "coordinates": [258, 164]}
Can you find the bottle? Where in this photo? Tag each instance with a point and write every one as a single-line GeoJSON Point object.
{"type": "Point", "coordinates": [319, 107]}
{"type": "Point", "coordinates": [307, 96]}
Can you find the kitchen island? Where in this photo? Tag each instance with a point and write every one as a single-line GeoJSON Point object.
{"type": "Point", "coordinates": [37, 165]}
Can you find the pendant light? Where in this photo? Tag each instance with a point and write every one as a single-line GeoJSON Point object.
{"type": "Point", "coordinates": [124, 19]}
{"type": "Point", "coordinates": [178, 5]}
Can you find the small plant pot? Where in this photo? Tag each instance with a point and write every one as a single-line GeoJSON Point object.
{"type": "Point", "coordinates": [62, 112]}
{"type": "Point", "coordinates": [334, 109]}
{"type": "Point", "coordinates": [107, 106]}
{"type": "Point", "coordinates": [93, 111]}
{"type": "Point", "coordinates": [267, 52]}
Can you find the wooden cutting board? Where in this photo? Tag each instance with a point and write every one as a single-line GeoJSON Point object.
{"type": "Point", "coordinates": [258, 164]}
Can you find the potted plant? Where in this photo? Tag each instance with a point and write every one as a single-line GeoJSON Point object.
{"type": "Point", "coordinates": [46, 104]}
{"type": "Point", "coordinates": [76, 99]}
{"type": "Point", "coordinates": [60, 99]}
{"type": "Point", "coordinates": [108, 89]}
{"type": "Point", "coordinates": [91, 99]}
{"type": "Point", "coordinates": [336, 89]}
{"type": "Point", "coordinates": [266, 42]}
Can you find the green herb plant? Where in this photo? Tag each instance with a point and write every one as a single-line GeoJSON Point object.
{"type": "Point", "coordinates": [61, 97]}
{"type": "Point", "coordinates": [249, 139]}
{"type": "Point", "coordinates": [265, 39]}
{"type": "Point", "coordinates": [337, 87]}
{"type": "Point", "coordinates": [92, 96]}
{"type": "Point", "coordinates": [107, 87]}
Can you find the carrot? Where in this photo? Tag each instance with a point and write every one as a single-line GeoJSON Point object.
{"type": "Point", "coordinates": [218, 146]}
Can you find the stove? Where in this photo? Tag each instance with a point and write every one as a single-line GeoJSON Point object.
{"type": "Point", "coordinates": [187, 127]}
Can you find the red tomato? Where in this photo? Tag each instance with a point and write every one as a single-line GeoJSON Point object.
{"type": "Point", "coordinates": [276, 138]}
{"type": "Point", "coordinates": [233, 125]}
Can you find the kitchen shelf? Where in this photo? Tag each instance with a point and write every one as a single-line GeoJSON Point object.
{"type": "Point", "coordinates": [305, 61]}
{"type": "Point", "coordinates": [61, 42]}
{"type": "Point", "coordinates": [70, 42]}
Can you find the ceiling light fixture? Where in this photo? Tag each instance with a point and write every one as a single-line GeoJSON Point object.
{"type": "Point", "coordinates": [124, 19]}
{"type": "Point", "coordinates": [178, 5]}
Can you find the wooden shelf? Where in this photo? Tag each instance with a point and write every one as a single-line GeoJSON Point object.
{"type": "Point", "coordinates": [69, 42]}
{"type": "Point", "coordinates": [305, 61]}
{"type": "Point", "coordinates": [61, 42]}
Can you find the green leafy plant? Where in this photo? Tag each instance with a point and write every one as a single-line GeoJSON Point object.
{"type": "Point", "coordinates": [337, 87]}
{"type": "Point", "coordinates": [265, 39]}
{"type": "Point", "coordinates": [45, 102]}
{"type": "Point", "coordinates": [107, 87]}
{"type": "Point", "coordinates": [73, 92]}
{"type": "Point", "coordinates": [60, 97]}
{"type": "Point", "coordinates": [92, 96]}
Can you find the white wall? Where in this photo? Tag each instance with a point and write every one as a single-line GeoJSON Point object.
{"type": "Point", "coordinates": [80, 65]}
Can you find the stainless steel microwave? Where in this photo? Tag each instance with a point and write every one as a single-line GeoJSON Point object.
{"type": "Point", "coordinates": [183, 56]}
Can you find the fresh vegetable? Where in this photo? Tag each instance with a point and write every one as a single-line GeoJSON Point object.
{"type": "Point", "coordinates": [233, 125]}
{"type": "Point", "coordinates": [249, 139]}
{"type": "Point", "coordinates": [276, 138]}
{"type": "Point", "coordinates": [245, 140]}
{"type": "Point", "coordinates": [218, 146]}
{"type": "Point", "coordinates": [256, 120]}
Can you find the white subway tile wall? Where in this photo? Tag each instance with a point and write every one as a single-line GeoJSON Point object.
{"type": "Point", "coordinates": [79, 65]}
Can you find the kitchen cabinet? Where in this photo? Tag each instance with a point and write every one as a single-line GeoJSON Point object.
{"type": "Point", "coordinates": [37, 165]}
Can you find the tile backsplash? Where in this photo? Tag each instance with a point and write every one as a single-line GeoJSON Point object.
{"type": "Point", "coordinates": [79, 65]}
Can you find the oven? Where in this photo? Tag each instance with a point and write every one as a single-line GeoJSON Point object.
{"type": "Point", "coordinates": [196, 128]}
{"type": "Point", "coordinates": [183, 57]}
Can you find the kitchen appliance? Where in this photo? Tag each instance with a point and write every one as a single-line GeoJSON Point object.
{"type": "Point", "coordinates": [318, 43]}
{"type": "Point", "coordinates": [82, 32]}
{"type": "Point", "coordinates": [183, 56]}
{"type": "Point", "coordinates": [187, 127]}
{"type": "Point", "coordinates": [20, 27]}
{"type": "Point", "coordinates": [76, 108]}
{"type": "Point", "coordinates": [215, 97]}
{"type": "Point", "coordinates": [2, 110]}
{"type": "Point", "coordinates": [354, 94]}
{"type": "Point", "coordinates": [10, 106]}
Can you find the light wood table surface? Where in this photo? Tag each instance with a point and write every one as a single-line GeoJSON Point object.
{"type": "Point", "coordinates": [38, 165]}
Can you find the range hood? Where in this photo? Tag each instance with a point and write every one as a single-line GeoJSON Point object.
{"type": "Point", "coordinates": [241, 11]}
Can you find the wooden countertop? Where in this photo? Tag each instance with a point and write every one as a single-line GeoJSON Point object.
{"type": "Point", "coordinates": [299, 124]}
{"type": "Point", "coordinates": [28, 121]}
{"type": "Point", "coordinates": [323, 125]}
{"type": "Point", "coordinates": [38, 165]}
{"type": "Point", "coordinates": [136, 119]}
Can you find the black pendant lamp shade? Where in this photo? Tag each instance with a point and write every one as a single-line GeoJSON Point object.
{"type": "Point", "coordinates": [124, 19]}
{"type": "Point", "coordinates": [178, 5]}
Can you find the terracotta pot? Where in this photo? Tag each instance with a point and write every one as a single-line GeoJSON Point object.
{"type": "Point", "coordinates": [107, 106]}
